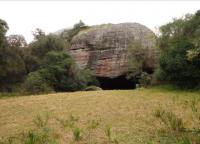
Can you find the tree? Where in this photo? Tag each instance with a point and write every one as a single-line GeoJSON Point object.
{"type": "Point", "coordinates": [136, 59]}
{"type": "Point", "coordinates": [38, 33]}
{"type": "Point", "coordinates": [32, 62]}
{"type": "Point", "coordinates": [63, 74]}
{"type": "Point", "coordinates": [59, 73]}
{"type": "Point", "coordinates": [46, 44]}
{"type": "Point", "coordinates": [36, 51]}
{"type": "Point", "coordinates": [3, 30]}
{"type": "Point", "coordinates": [16, 41]}
{"type": "Point", "coordinates": [192, 31]}
{"type": "Point", "coordinates": [69, 34]}
{"type": "Point", "coordinates": [59, 69]}
{"type": "Point", "coordinates": [142, 59]}
{"type": "Point", "coordinates": [177, 69]}
{"type": "Point", "coordinates": [3, 43]}
{"type": "Point", "coordinates": [12, 68]}
{"type": "Point", "coordinates": [179, 44]}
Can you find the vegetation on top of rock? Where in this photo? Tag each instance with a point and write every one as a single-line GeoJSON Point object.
{"type": "Point", "coordinates": [105, 48]}
{"type": "Point", "coordinates": [72, 61]}
{"type": "Point", "coordinates": [68, 34]}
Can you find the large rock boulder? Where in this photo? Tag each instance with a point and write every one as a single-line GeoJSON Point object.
{"type": "Point", "coordinates": [104, 48]}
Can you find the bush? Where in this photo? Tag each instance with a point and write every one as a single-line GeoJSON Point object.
{"type": "Point", "coordinates": [58, 72]}
{"type": "Point", "coordinates": [145, 79]}
{"type": "Point", "coordinates": [77, 134]}
{"type": "Point", "coordinates": [41, 134]}
{"type": "Point", "coordinates": [175, 131]}
{"type": "Point", "coordinates": [35, 84]}
{"type": "Point", "coordinates": [171, 121]}
{"type": "Point", "coordinates": [92, 88]}
{"type": "Point", "coordinates": [64, 75]}
{"type": "Point", "coordinates": [84, 78]}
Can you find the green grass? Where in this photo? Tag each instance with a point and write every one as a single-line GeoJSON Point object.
{"type": "Point", "coordinates": [130, 114]}
{"type": "Point", "coordinates": [5, 95]}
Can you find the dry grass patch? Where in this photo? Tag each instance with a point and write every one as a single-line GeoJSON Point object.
{"type": "Point", "coordinates": [128, 113]}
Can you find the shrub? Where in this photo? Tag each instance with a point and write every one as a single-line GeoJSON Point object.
{"type": "Point", "coordinates": [145, 79]}
{"type": "Point", "coordinates": [91, 127]}
{"type": "Point", "coordinates": [77, 134]}
{"type": "Point", "coordinates": [108, 132]}
{"type": "Point", "coordinates": [40, 121]}
{"type": "Point", "coordinates": [42, 134]}
{"type": "Point", "coordinates": [92, 88]}
{"type": "Point", "coordinates": [175, 131]}
{"type": "Point", "coordinates": [35, 84]}
{"type": "Point", "coordinates": [171, 121]}
{"type": "Point", "coordinates": [58, 72]}
{"type": "Point", "coordinates": [63, 74]}
{"type": "Point", "coordinates": [69, 123]}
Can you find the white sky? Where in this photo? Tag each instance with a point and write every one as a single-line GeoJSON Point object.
{"type": "Point", "coordinates": [23, 17]}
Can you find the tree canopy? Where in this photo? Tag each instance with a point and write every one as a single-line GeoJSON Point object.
{"type": "Point", "coordinates": [180, 51]}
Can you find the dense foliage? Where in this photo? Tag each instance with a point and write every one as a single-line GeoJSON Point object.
{"type": "Point", "coordinates": [180, 51]}
{"type": "Point", "coordinates": [12, 67]}
{"type": "Point", "coordinates": [58, 72]}
{"type": "Point", "coordinates": [68, 34]}
{"type": "Point", "coordinates": [139, 56]}
{"type": "Point", "coordinates": [44, 65]}
{"type": "Point", "coordinates": [41, 66]}
{"type": "Point", "coordinates": [136, 59]}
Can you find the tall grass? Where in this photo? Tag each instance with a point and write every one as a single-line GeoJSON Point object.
{"type": "Point", "coordinates": [175, 131]}
{"type": "Point", "coordinates": [171, 121]}
{"type": "Point", "coordinates": [41, 134]}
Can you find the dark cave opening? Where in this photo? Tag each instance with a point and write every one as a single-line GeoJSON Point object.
{"type": "Point", "coordinates": [116, 83]}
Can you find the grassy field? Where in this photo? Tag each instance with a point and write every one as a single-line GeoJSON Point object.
{"type": "Point", "coordinates": [111, 116]}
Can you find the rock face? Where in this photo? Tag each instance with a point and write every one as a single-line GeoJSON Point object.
{"type": "Point", "coordinates": [104, 48]}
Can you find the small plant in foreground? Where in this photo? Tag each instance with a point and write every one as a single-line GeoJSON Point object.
{"type": "Point", "coordinates": [77, 134]}
{"type": "Point", "coordinates": [108, 132]}
{"type": "Point", "coordinates": [194, 104]}
{"type": "Point", "coordinates": [158, 113]}
{"type": "Point", "coordinates": [70, 122]}
{"type": "Point", "coordinates": [92, 125]}
{"type": "Point", "coordinates": [176, 133]}
{"type": "Point", "coordinates": [171, 121]}
{"type": "Point", "coordinates": [41, 134]}
{"type": "Point", "coordinates": [40, 121]}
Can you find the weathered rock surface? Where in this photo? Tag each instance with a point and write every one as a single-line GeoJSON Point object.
{"type": "Point", "coordinates": [104, 48]}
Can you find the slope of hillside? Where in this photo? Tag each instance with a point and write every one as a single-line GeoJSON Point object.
{"type": "Point", "coordinates": [128, 113]}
